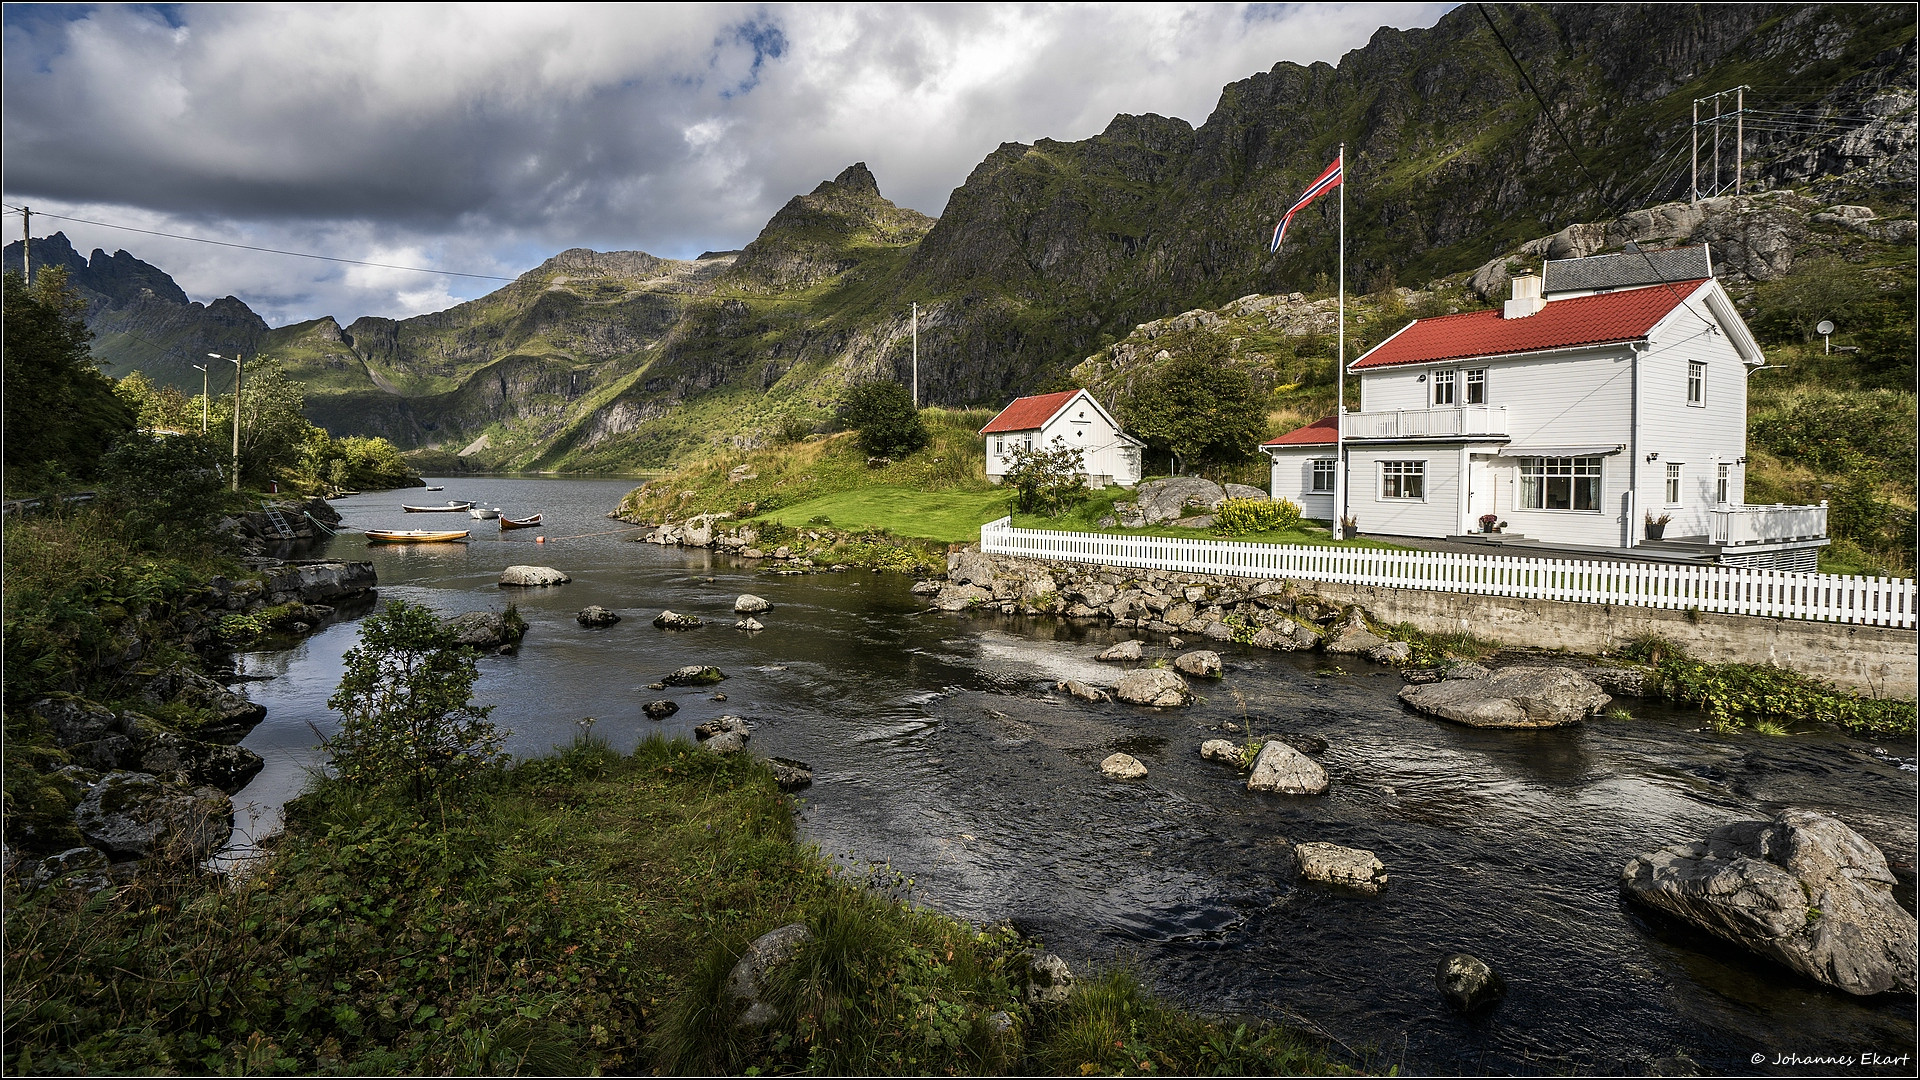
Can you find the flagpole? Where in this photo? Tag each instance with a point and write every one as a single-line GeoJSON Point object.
{"type": "Point", "coordinates": [1340, 374]}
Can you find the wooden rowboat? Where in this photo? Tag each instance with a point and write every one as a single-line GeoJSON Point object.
{"type": "Point", "coordinates": [414, 536]}
{"type": "Point", "coordinates": [481, 513]}
{"type": "Point", "coordinates": [450, 508]}
{"type": "Point", "coordinates": [521, 523]}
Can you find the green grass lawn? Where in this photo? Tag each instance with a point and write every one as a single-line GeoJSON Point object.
{"type": "Point", "coordinates": [951, 516]}
{"type": "Point", "coordinates": [1099, 504]}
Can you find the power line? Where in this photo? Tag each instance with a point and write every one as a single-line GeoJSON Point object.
{"type": "Point", "coordinates": [268, 250]}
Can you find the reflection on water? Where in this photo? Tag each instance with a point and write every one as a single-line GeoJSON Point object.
{"type": "Point", "coordinates": [941, 749]}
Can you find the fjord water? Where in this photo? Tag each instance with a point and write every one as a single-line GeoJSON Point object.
{"type": "Point", "coordinates": [942, 754]}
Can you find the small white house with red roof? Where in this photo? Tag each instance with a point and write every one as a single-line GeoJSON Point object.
{"type": "Point", "coordinates": [1075, 418]}
{"type": "Point", "coordinates": [1603, 406]}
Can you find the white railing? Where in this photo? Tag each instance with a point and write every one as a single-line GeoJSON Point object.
{"type": "Point", "coordinates": [1737, 524]}
{"type": "Point", "coordinates": [1733, 590]}
{"type": "Point", "coordinates": [1456, 420]}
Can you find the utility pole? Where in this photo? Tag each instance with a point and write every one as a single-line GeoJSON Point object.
{"type": "Point", "coordinates": [1739, 117]}
{"type": "Point", "coordinates": [26, 244]}
{"type": "Point", "coordinates": [916, 354]}
{"type": "Point", "coordinates": [202, 369]}
{"type": "Point", "coordinates": [237, 369]}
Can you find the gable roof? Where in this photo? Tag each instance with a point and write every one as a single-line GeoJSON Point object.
{"type": "Point", "coordinates": [1028, 413]}
{"type": "Point", "coordinates": [1581, 320]}
{"type": "Point", "coordinates": [1626, 268]}
{"type": "Point", "coordinates": [1319, 433]}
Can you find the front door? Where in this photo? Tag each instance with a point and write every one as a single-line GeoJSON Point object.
{"type": "Point", "coordinates": [1480, 491]}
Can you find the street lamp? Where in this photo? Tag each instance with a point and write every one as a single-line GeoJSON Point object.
{"type": "Point", "coordinates": [237, 369]}
{"type": "Point", "coordinates": [202, 369]}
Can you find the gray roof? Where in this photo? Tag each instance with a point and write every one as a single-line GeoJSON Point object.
{"type": "Point", "coordinates": [1626, 268]}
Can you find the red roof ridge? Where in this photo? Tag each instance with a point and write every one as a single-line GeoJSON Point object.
{"type": "Point", "coordinates": [1319, 432]}
{"type": "Point", "coordinates": [1028, 413]}
{"type": "Point", "coordinates": [1595, 319]}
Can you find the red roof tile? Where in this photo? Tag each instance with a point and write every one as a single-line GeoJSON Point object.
{"type": "Point", "coordinates": [1318, 433]}
{"type": "Point", "coordinates": [1028, 413]}
{"type": "Point", "coordinates": [1582, 320]}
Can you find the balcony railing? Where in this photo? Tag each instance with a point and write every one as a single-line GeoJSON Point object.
{"type": "Point", "coordinates": [1409, 423]}
{"type": "Point", "coordinates": [1733, 523]}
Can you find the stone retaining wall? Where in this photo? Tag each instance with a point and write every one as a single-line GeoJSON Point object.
{"type": "Point", "coordinates": [1867, 659]}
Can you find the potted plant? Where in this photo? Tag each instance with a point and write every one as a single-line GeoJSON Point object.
{"type": "Point", "coordinates": [1657, 526]}
{"type": "Point", "coordinates": [1489, 522]}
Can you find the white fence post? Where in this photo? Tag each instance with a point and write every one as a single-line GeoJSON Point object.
{"type": "Point", "coordinates": [1733, 590]}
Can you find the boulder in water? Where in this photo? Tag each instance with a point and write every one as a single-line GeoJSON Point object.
{"type": "Point", "coordinates": [1514, 697]}
{"type": "Point", "coordinates": [1123, 767]}
{"type": "Point", "coordinates": [1201, 663]}
{"type": "Point", "coordinates": [749, 604]}
{"type": "Point", "coordinates": [1348, 868]}
{"type": "Point", "coordinates": [694, 675]}
{"type": "Point", "coordinates": [1124, 651]}
{"type": "Point", "coordinates": [1282, 770]}
{"type": "Point", "coordinates": [532, 576]}
{"type": "Point", "coordinates": [594, 615]}
{"type": "Point", "coordinates": [1467, 983]}
{"type": "Point", "coordinates": [1802, 890]}
{"type": "Point", "coordinates": [659, 710]}
{"type": "Point", "coordinates": [1153, 686]}
{"type": "Point", "coordinates": [673, 620]}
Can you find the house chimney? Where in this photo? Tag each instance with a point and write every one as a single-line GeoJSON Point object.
{"type": "Point", "coordinates": [1526, 297]}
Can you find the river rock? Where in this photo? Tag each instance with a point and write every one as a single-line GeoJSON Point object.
{"type": "Point", "coordinates": [1126, 650]}
{"type": "Point", "coordinates": [749, 624]}
{"type": "Point", "coordinates": [481, 630]}
{"type": "Point", "coordinates": [1083, 691]}
{"type": "Point", "coordinates": [960, 597]}
{"type": "Point", "coordinates": [694, 675]}
{"type": "Point", "coordinates": [1201, 663]}
{"type": "Point", "coordinates": [1391, 652]}
{"type": "Point", "coordinates": [727, 742]}
{"type": "Point", "coordinates": [673, 620]}
{"type": "Point", "coordinates": [1049, 981]}
{"type": "Point", "coordinates": [1514, 697]}
{"type": "Point", "coordinates": [136, 815]}
{"type": "Point", "coordinates": [720, 725]}
{"type": "Point", "coordinates": [659, 710]}
{"type": "Point", "coordinates": [1348, 868]}
{"type": "Point", "coordinates": [1153, 686]}
{"type": "Point", "coordinates": [789, 774]}
{"type": "Point", "coordinates": [229, 716]}
{"type": "Point", "coordinates": [1122, 767]}
{"type": "Point", "coordinates": [1159, 501]}
{"type": "Point", "coordinates": [1467, 983]}
{"type": "Point", "coordinates": [82, 868]}
{"type": "Point", "coordinates": [593, 615]}
{"type": "Point", "coordinates": [969, 567]}
{"type": "Point", "coordinates": [1223, 751]}
{"type": "Point", "coordinates": [192, 763]}
{"type": "Point", "coordinates": [317, 582]}
{"type": "Point", "coordinates": [749, 604]}
{"type": "Point", "coordinates": [532, 576]}
{"type": "Point", "coordinates": [1803, 890]}
{"type": "Point", "coordinates": [928, 587]}
{"type": "Point", "coordinates": [747, 983]}
{"type": "Point", "coordinates": [1351, 637]}
{"type": "Point", "coordinates": [1282, 770]}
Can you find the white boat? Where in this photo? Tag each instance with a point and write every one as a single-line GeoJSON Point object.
{"type": "Point", "coordinates": [481, 513]}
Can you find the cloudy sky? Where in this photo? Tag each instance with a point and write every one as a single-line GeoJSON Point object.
{"type": "Point", "coordinates": [483, 139]}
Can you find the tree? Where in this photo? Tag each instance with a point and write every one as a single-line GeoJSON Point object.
{"type": "Point", "coordinates": [166, 485]}
{"type": "Point", "coordinates": [406, 700]}
{"type": "Point", "coordinates": [1048, 480]}
{"type": "Point", "coordinates": [1199, 405]}
{"type": "Point", "coordinates": [61, 413]}
{"type": "Point", "coordinates": [883, 414]}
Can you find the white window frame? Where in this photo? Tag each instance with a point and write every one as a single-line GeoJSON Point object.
{"type": "Point", "coordinates": [999, 446]}
{"type": "Point", "coordinates": [1446, 379]}
{"type": "Point", "coordinates": [1697, 384]}
{"type": "Point", "coordinates": [1317, 468]}
{"type": "Point", "coordinates": [1538, 473]}
{"type": "Point", "coordinates": [1476, 393]}
{"type": "Point", "coordinates": [1722, 483]}
{"type": "Point", "coordinates": [1676, 488]}
{"type": "Point", "coordinates": [1405, 469]}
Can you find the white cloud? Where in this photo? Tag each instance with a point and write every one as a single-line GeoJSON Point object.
{"type": "Point", "coordinates": [485, 137]}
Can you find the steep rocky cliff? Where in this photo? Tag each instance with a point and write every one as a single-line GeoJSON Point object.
{"type": "Point", "coordinates": [1053, 250]}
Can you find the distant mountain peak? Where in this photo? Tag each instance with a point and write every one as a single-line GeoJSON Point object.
{"type": "Point", "coordinates": [855, 177]}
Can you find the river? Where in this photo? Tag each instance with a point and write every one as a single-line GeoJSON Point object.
{"type": "Point", "coordinates": [941, 753]}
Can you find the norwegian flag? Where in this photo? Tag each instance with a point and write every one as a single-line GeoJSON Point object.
{"type": "Point", "coordinates": [1327, 182]}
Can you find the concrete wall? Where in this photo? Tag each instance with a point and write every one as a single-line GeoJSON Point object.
{"type": "Point", "coordinates": [1870, 659]}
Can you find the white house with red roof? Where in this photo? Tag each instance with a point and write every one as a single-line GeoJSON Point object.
{"type": "Point", "coordinates": [1108, 455]}
{"type": "Point", "coordinates": [1599, 401]}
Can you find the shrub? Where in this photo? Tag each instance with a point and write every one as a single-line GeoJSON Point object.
{"type": "Point", "coordinates": [169, 484]}
{"type": "Point", "coordinates": [1048, 480]}
{"type": "Point", "coordinates": [1237, 517]}
{"type": "Point", "coordinates": [406, 700]}
{"type": "Point", "coordinates": [884, 415]}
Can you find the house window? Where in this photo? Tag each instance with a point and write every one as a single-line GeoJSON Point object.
{"type": "Point", "coordinates": [1560, 483]}
{"type": "Point", "coordinates": [1673, 483]}
{"type": "Point", "coordinates": [1696, 383]}
{"type": "Point", "coordinates": [1722, 483]}
{"type": "Point", "coordinates": [1323, 476]}
{"type": "Point", "coordinates": [999, 447]}
{"type": "Point", "coordinates": [1403, 480]}
{"type": "Point", "coordinates": [1443, 388]}
{"type": "Point", "coordinates": [1477, 386]}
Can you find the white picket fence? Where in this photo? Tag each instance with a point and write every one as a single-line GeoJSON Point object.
{"type": "Point", "coordinates": [1734, 590]}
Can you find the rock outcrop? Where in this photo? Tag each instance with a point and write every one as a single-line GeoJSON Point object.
{"type": "Point", "coordinates": [1803, 890]}
{"type": "Point", "coordinates": [137, 815]}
